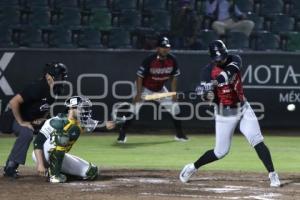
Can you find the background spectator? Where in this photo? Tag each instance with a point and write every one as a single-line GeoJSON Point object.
{"type": "Point", "coordinates": [227, 17]}
{"type": "Point", "coordinates": [184, 26]}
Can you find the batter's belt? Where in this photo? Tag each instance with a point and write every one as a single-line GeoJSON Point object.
{"type": "Point", "coordinates": [232, 110]}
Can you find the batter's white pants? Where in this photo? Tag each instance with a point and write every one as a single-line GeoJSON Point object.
{"type": "Point", "coordinates": [71, 165]}
{"type": "Point", "coordinates": [225, 126]}
{"type": "Point", "coordinates": [169, 105]}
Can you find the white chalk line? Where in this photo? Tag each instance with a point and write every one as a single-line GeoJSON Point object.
{"type": "Point", "coordinates": [232, 189]}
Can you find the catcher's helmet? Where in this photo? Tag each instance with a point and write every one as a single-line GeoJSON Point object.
{"type": "Point", "coordinates": [57, 70]}
{"type": "Point", "coordinates": [218, 51]}
{"type": "Point", "coordinates": [84, 111]}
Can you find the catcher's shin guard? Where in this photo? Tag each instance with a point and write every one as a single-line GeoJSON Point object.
{"type": "Point", "coordinates": [55, 162]}
{"type": "Point", "coordinates": [92, 172]}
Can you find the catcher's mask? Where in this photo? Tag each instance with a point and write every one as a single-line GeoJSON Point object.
{"type": "Point", "coordinates": [84, 111]}
{"type": "Point", "coordinates": [122, 111]}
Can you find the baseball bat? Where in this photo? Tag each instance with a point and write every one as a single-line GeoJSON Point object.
{"type": "Point", "coordinates": [156, 96]}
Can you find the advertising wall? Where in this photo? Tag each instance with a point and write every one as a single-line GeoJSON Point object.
{"type": "Point", "coordinates": [271, 82]}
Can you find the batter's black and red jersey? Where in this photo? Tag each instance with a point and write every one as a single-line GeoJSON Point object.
{"type": "Point", "coordinates": [230, 92]}
{"type": "Point", "coordinates": [155, 72]}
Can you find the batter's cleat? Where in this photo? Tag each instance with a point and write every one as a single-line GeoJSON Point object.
{"type": "Point", "coordinates": [61, 178]}
{"type": "Point", "coordinates": [181, 138]}
{"type": "Point", "coordinates": [274, 179]}
{"type": "Point", "coordinates": [122, 139]}
{"type": "Point", "coordinates": [187, 172]}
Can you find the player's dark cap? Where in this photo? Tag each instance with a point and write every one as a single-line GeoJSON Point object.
{"type": "Point", "coordinates": [218, 51]}
{"type": "Point", "coordinates": [164, 42]}
{"type": "Point", "coordinates": [57, 70]}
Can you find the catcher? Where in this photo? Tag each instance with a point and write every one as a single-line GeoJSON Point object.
{"type": "Point", "coordinates": [56, 138]}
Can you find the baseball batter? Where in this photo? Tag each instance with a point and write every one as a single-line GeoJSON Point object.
{"type": "Point", "coordinates": [222, 77]}
{"type": "Point", "coordinates": [56, 138]}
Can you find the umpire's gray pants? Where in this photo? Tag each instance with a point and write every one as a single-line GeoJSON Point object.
{"type": "Point", "coordinates": [20, 148]}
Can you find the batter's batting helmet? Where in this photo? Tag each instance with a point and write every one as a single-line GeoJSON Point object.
{"type": "Point", "coordinates": [218, 51]}
{"type": "Point", "coordinates": [57, 70]}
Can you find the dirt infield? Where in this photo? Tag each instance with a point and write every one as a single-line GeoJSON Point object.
{"type": "Point", "coordinates": [148, 184]}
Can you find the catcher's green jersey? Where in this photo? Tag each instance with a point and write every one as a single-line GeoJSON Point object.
{"type": "Point", "coordinates": [63, 132]}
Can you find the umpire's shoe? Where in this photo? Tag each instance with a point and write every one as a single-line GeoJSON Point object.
{"type": "Point", "coordinates": [11, 172]}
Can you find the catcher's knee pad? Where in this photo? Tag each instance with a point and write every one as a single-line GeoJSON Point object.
{"type": "Point", "coordinates": [92, 172]}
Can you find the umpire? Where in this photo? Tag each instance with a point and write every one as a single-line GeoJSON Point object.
{"type": "Point", "coordinates": [27, 109]}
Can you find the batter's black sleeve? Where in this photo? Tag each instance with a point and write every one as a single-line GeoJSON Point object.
{"type": "Point", "coordinates": [231, 68]}
{"type": "Point", "coordinates": [39, 141]}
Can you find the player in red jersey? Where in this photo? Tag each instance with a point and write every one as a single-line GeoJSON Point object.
{"type": "Point", "coordinates": [152, 75]}
{"type": "Point", "coordinates": [222, 79]}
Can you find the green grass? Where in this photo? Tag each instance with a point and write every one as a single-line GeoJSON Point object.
{"type": "Point", "coordinates": [162, 152]}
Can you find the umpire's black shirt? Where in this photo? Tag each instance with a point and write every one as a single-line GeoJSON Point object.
{"type": "Point", "coordinates": [37, 100]}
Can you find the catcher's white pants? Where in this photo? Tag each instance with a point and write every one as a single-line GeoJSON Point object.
{"type": "Point", "coordinates": [225, 126]}
{"type": "Point", "coordinates": [71, 165]}
{"type": "Point", "coordinates": [169, 105]}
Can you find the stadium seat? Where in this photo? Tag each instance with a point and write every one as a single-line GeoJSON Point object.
{"type": "Point", "coordinates": [69, 17]}
{"type": "Point", "coordinates": [118, 5]}
{"type": "Point", "coordinates": [158, 20]}
{"type": "Point", "coordinates": [245, 6]}
{"type": "Point", "coordinates": [9, 3]}
{"type": "Point", "coordinates": [10, 15]}
{"type": "Point", "coordinates": [94, 4]}
{"type": "Point", "coordinates": [40, 3]}
{"type": "Point", "coordinates": [31, 37]}
{"type": "Point", "coordinates": [206, 37]}
{"type": "Point", "coordinates": [60, 37]}
{"type": "Point", "coordinates": [237, 40]}
{"type": "Point", "coordinates": [144, 38]}
{"type": "Point", "coordinates": [258, 21]}
{"type": "Point", "coordinates": [64, 4]}
{"type": "Point", "coordinates": [6, 37]}
{"type": "Point", "coordinates": [39, 16]}
{"type": "Point", "coordinates": [271, 7]}
{"type": "Point", "coordinates": [149, 5]}
{"type": "Point", "coordinates": [267, 41]}
{"type": "Point", "coordinates": [89, 38]}
{"type": "Point", "coordinates": [282, 24]}
{"type": "Point", "coordinates": [293, 42]}
{"type": "Point", "coordinates": [295, 8]}
{"type": "Point", "coordinates": [200, 7]}
{"type": "Point", "coordinates": [130, 19]}
{"type": "Point", "coordinates": [101, 19]}
{"type": "Point", "coordinates": [118, 38]}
